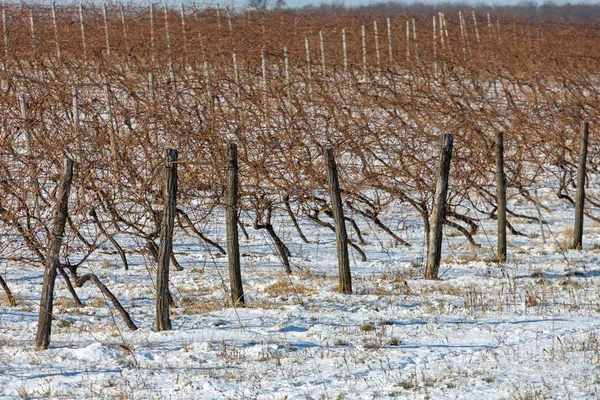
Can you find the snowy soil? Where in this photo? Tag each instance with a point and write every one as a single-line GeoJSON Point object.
{"type": "Point", "coordinates": [527, 329]}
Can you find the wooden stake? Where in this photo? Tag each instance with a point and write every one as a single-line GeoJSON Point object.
{"type": "Point", "coordinates": [77, 124]}
{"type": "Point", "coordinates": [390, 43]}
{"type": "Point", "coordinates": [308, 58]}
{"type": "Point", "coordinates": [125, 33]}
{"type": "Point", "coordinates": [168, 33]}
{"type": "Point", "coordinates": [104, 13]}
{"type": "Point", "coordinates": [163, 321]}
{"type": "Point", "coordinates": [83, 40]}
{"type": "Point", "coordinates": [231, 215]}
{"type": "Point", "coordinates": [438, 213]}
{"type": "Point", "coordinates": [476, 28]}
{"type": "Point", "coordinates": [345, 49]}
{"type": "Point", "coordinates": [209, 93]}
{"type": "Point", "coordinates": [435, 66]}
{"type": "Point", "coordinates": [442, 41]}
{"type": "Point", "coordinates": [32, 27]}
{"type": "Point", "coordinates": [580, 196]}
{"type": "Point", "coordinates": [414, 28]}
{"type": "Point", "coordinates": [364, 49]}
{"type": "Point", "coordinates": [55, 22]}
{"type": "Point", "coordinates": [323, 56]}
{"type": "Point", "coordinates": [501, 196]}
{"type": "Point", "coordinates": [265, 84]}
{"type": "Point", "coordinates": [236, 72]}
{"type": "Point", "coordinates": [377, 47]}
{"type": "Point", "coordinates": [5, 35]}
{"type": "Point", "coordinates": [183, 32]}
{"type": "Point", "coordinates": [152, 86]}
{"type": "Point", "coordinates": [152, 37]}
{"type": "Point", "coordinates": [345, 277]}
{"type": "Point", "coordinates": [407, 41]}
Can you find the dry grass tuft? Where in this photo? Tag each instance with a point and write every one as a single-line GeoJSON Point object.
{"type": "Point", "coordinates": [195, 305]}
{"type": "Point", "coordinates": [285, 287]}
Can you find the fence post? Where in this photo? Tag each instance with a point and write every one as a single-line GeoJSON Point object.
{"type": "Point", "coordinates": [580, 196]}
{"type": "Point", "coordinates": [438, 214]}
{"type": "Point", "coordinates": [231, 216]}
{"type": "Point", "coordinates": [501, 196]}
{"type": "Point", "coordinates": [345, 278]}
{"type": "Point", "coordinates": [163, 322]}
{"type": "Point", "coordinates": [44, 328]}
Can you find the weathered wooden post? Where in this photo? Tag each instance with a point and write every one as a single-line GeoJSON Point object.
{"type": "Point", "coordinates": [345, 50]}
{"type": "Point", "coordinates": [345, 278]}
{"type": "Point", "coordinates": [55, 23]}
{"type": "Point", "coordinates": [82, 29]}
{"type": "Point", "coordinates": [501, 196]}
{"type": "Point", "coordinates": [323, 55]}
{"type": "Point", "coordinates": [364, 48]}
{"type": "Point", "coordinates": [163, 322]}
{"type": "Point", "coordinates": [231, 216]}
{"type": "Point", "coordinates": [580, 196]}
{"type": "Point", "coordinates": [106, 29]}
{"type": "Point", "coordinates": [5, 35]}
{"type": "Point", "coordinates": [438, 213]}
{"type": "Point", "coordinates": [42, 340]}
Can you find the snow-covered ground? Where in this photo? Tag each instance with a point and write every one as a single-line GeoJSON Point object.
{"type": "Point", "coordinates": [527, 329]}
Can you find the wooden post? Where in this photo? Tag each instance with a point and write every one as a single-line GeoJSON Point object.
{"type": "Point", "coordinates": [323, 56]}
{"type": "Point", "coordinates": [55, 23]}
{"type": "Point", "coordinates": [168, 33]}
{"type": "Point", "coordinates": [345, 278]}
{"type": "Point", "coordinates": [377, 47]}
{"type": "Point", "coordinates": [185, 45]}
{"type": "Point", "coordinates": [152, 86]}
{"type": "Point", "coordinates": [44, 328]}
{"type": "Point", "coordinates": [125, 33]}
{"type": "Point", "coordinates": [435, 67]}
{"type": "Point", "coordinates": [501, 196]}
{"type": "Point", "coordinates": [152, 38]}
{"type": "Point", "coordinates": [364, 49]}
{"type": "Point", "coordinates": [580, 196]}
{"type": "Point", "coordinates": [82, 28]}
{"type": "Point", "coordinates": [231, 216]}
{"type": "Point", "coordinates": [173, 78]}
{"type": "Point", "coordinates": [345, 49]}
{"type": "Point", "coordinates": [32, 27]}
{"type": "Point", "coordinates": [236, 75]}
{"type": "Point", "coordinates": [77, 124]}
{"type": "Point", "coordinates": [308, 58]}
{"type": "Point", "coordinates": [407, 41]}
{"type": "Point", "coordinates": [390, 43]}
{"type": "Point", "coordinates": [286, 67]}
{"type": "Point", "coordinates": [209, 94]}
{"type": "Point", "coordinates": [414, 28]}
{"type": "Point", "coordinates": [476, 28]}
{"type": "Point", "coordinates": [104, 14]}
{"type": "Point", "coordinates": [5, 35]}
{"type": "Point", "coordinates": [438, 213]}
{"type": "Point", "coordinates": [163, 322]}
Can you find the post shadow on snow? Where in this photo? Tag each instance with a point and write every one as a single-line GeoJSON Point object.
{"type": "Point", "coordinates": [446, 346]}
{"type": "Point", "coordinates": [480, 322]}
{"type": "Point", "coordinates": [86, 372]}
{"type": "Point", "coordinates": [570, 274]}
